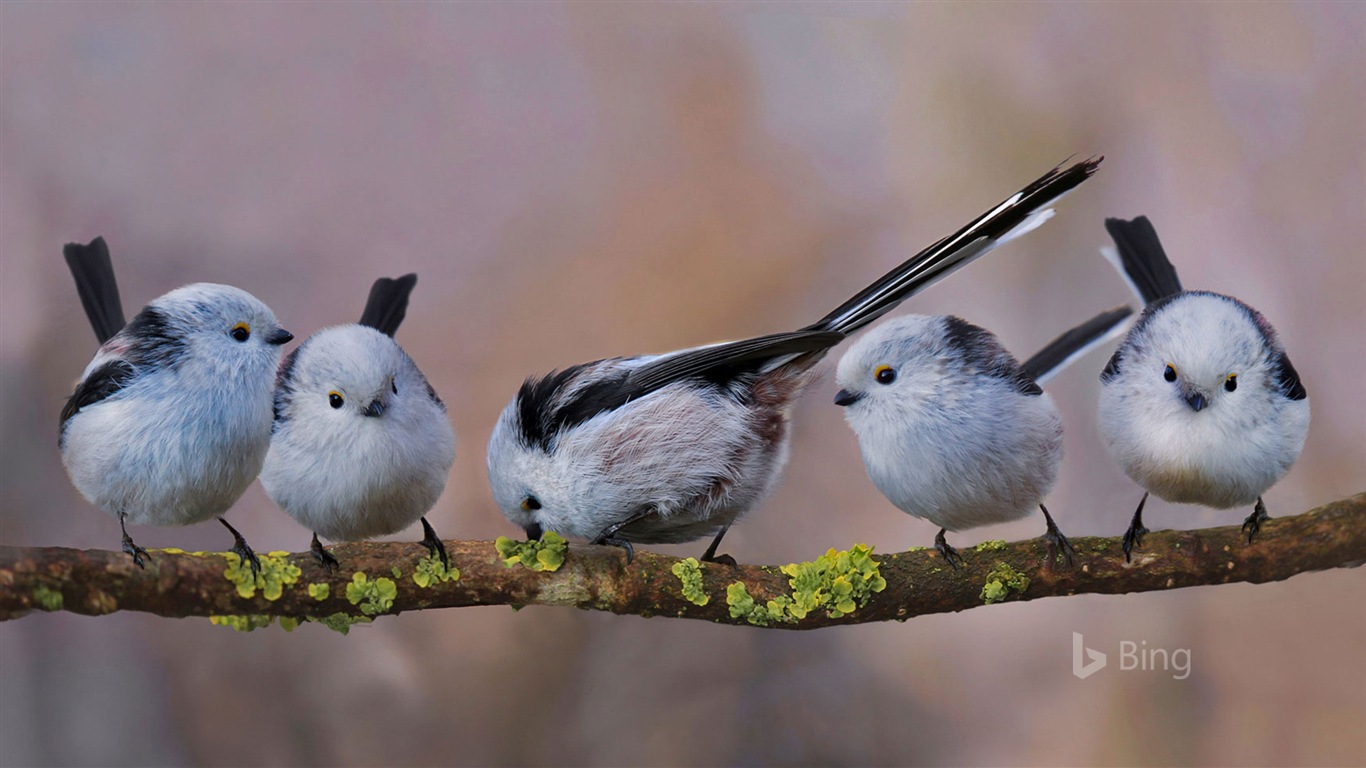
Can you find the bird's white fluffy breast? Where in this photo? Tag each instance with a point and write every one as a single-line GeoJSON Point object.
{"type": "Point", "coordinates": [945, 442]}
{"type": "Point", "coordinates": [1231, 451]}
{"type": "Point", "coordinates": [346, 475]}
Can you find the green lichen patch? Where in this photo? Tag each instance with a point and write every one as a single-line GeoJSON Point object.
{"type": "Point", "coordinates": [544, 555]}
{"type": "Point", "coordinates": [290, 623]}
{"type": "Point", "coordinates": [276, 573]}
{"type": "Point", "coordinates": [991, 545]}
{"type": "Point", "coordinates": [840, 582]}
{"type": "Point", "coordinates": [245, 623]}
{"type": "Point", "coordinates": [742, 606]}
{"type": "Point", "coordinates": [319, 591]}
{"type": "Point", "coordinates": [689, 572]}
{"type": "Point", "coordinates": [47, 599]}
{"type": "Point", "coordinates": [341, 622]}
{"type": "Point", "coordinates": [398, 574]}
{"type": "Point", "coordinates": [1001, 582]}
{"type": "Point", "coordinates": [430, 570]}
{"type": "Point", "coordinates": [373, 596]}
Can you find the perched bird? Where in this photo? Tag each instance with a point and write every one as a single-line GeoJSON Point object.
{"type": "Point", "coordinates": [171, 419]}
{"type": "Point", "coordinates": [670, 448]}
{"type": "Point", "coordinates": [952, 428]}
{"type": "Point", "coordinates": [362, 445]}
{"type": "Point", "coordinates": [1200, 403]}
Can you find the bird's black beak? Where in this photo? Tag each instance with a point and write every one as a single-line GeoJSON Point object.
{"type": "Point", "coordinates": [374, 409]}
{"type": "Point", "coordinates": [279, 336]}
{"type": "Point", "coordinates": [1196, 401]}
{"type": "Point", "coordinates": [845, 397]}
{"type": "Point", "coordinates": [533, 532]}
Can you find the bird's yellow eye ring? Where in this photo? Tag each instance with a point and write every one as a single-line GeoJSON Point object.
{"type": "Point", "coordinates": [240, 332]}
{"type": "Point", "coordinates": [884, 374]}
{"type": "Point", "coordinates": [335, 399]}
{"type": "Point", "coordinates": [1169, 373]}
{"type": "Point", "coordinates": [1231, 382]}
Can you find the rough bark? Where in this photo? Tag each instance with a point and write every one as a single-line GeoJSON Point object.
{"type": "Point", "coordinates": [96, 582]}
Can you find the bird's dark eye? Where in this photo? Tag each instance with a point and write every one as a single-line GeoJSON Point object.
{"type": "Point", "coordinates": [335, 399]}
{"type": "Point", "coordinates": [1169, 374]}
{"type": "Point", "coordinates": [531, 503]}
{"type": "Point", "coordinates": [885, 374]}
{"type": "Point", "coordinates": [1231, 383]}
{"type": "Point", "coordinates": [240, 332]}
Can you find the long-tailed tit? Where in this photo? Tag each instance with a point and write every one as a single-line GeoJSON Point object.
{"type": "Point", "coordinates": [1200, 403]}
{"type": "Point", "coordinates": [670, 448]}
{"type": "Point", "coordinates": [362, 444]}
{"type": "Point", "coordinates": [171, 419]}
{"type": "Point", "coordinates": [952, 428]}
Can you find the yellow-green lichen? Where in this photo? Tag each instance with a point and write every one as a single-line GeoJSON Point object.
{"type": "Point", "coordinates": [544, 555]}
{"type": "Point", "coordinates": [319, 591]}
{"type": "Point", "coordinates": [991, 545]}
{"type": "Point", "coordinates": [689, 572]}
{"type": "Point", "coordinates": [242, 623]}
{"type": "Point", "coordinates": [276, 573]}
{"type": "Point", "coordinates": [841, 582]}
{"type": "Point", "coordinates": [430, 570]}
{"type": "Point", "coordinates": [341, 622]}
{"type": "Point", "coordinates": [838, 582]}
{"type": "Point", "coordinates": [1002, 581]}
{"type": "Point", "coordinates": [290, 623]}
{"type": "Point", "coordinates": [397, 573]}
{"type": "Point", "coordinates": [742, 606]}
{"type": "Point", "coordinates": [373, 596]}
{"type": "Point", "coordinates": [47, 599]}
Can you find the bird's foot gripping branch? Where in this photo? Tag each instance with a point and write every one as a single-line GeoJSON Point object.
{"type": "Point", "coordinates": [841, 587]}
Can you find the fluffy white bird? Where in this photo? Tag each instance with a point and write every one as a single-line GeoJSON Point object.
{"type": "Point", "coordinates": [171, 420]}
{"type": "Point", "coordinates": [952, 428]}
{"type": "Point", "coordinates": [1200, 403]}
{"type": "Point", "coordinates": [674, 447]}
{"type": "Point", "coordinates": [362, 445]}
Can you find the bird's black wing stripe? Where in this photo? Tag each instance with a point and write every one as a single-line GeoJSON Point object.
{"type": "Point", "coordinates": [544, 412]}
{"type": "Point", "coordinates": [1143, 258]}
{"type": "Point", "coordinates": [1061, 349]}
{"type": "Point", "coordinates": [100, 384]}
{"type": "Point", "coordinates": [388, 303]}
{"type": "Point", "coordinates": [541, 412]}
{"type": "Point", "coordinates": [985, 354]}
{"type": "Point", "coordinates": [722, 361]}
{"type": "Point", "coordinates": [93, 273]}
{"type": "Point", "coordinates": [1111, 368]}
{"type": "Point", "coordinates": [1288, 379]}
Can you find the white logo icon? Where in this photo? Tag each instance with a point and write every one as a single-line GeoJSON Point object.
{"type": "Point", "coordinates": [1084, 669]}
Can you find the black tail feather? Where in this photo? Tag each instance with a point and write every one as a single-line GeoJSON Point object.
{"type": "Point", "coordinates": [1142, 258]}
{"type": "Point", "coordinates": [1062, 350]}
{"type": "Point", "coordinates": [93, 272]}
{"type": "Point", "coordinates": [388, 303]}
{"type": "Point", "coordinates": [955, 251]}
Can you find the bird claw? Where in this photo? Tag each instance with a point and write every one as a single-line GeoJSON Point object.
{"type": "Point", "coordinates": [1254, 521]}
{"type": "Point", "coordinates": [725, 560]}
{"type": "Point", "coordinates": [137, 552]}
{"type": "Point", "coordinates": [1058, 543]}
{"type": "Point", "coordinates": [949, 554]}
{"type": "Point", "coordinates": [243, 550]}
{"type": "Point", "coordinates": [1133, 538]}
{"type": "Point", "coordinates": [616, 541]}
{"type": "Point", "coordinates": [434, 545]}
{"type": "Point", "coordinates": [326, 559]}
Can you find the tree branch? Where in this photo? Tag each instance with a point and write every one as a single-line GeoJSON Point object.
{"type": "Point", "coordinates": [379, 578]}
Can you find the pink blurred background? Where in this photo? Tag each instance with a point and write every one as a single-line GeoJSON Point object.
{"type": "Point", "coordinates": [585, 180]}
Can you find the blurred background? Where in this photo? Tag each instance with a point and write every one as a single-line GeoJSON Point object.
{"type": "Point", "coordinates": [586, 180]}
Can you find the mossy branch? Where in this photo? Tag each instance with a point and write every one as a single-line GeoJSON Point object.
{"type": "Point", "coordinates": [840, 588]}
